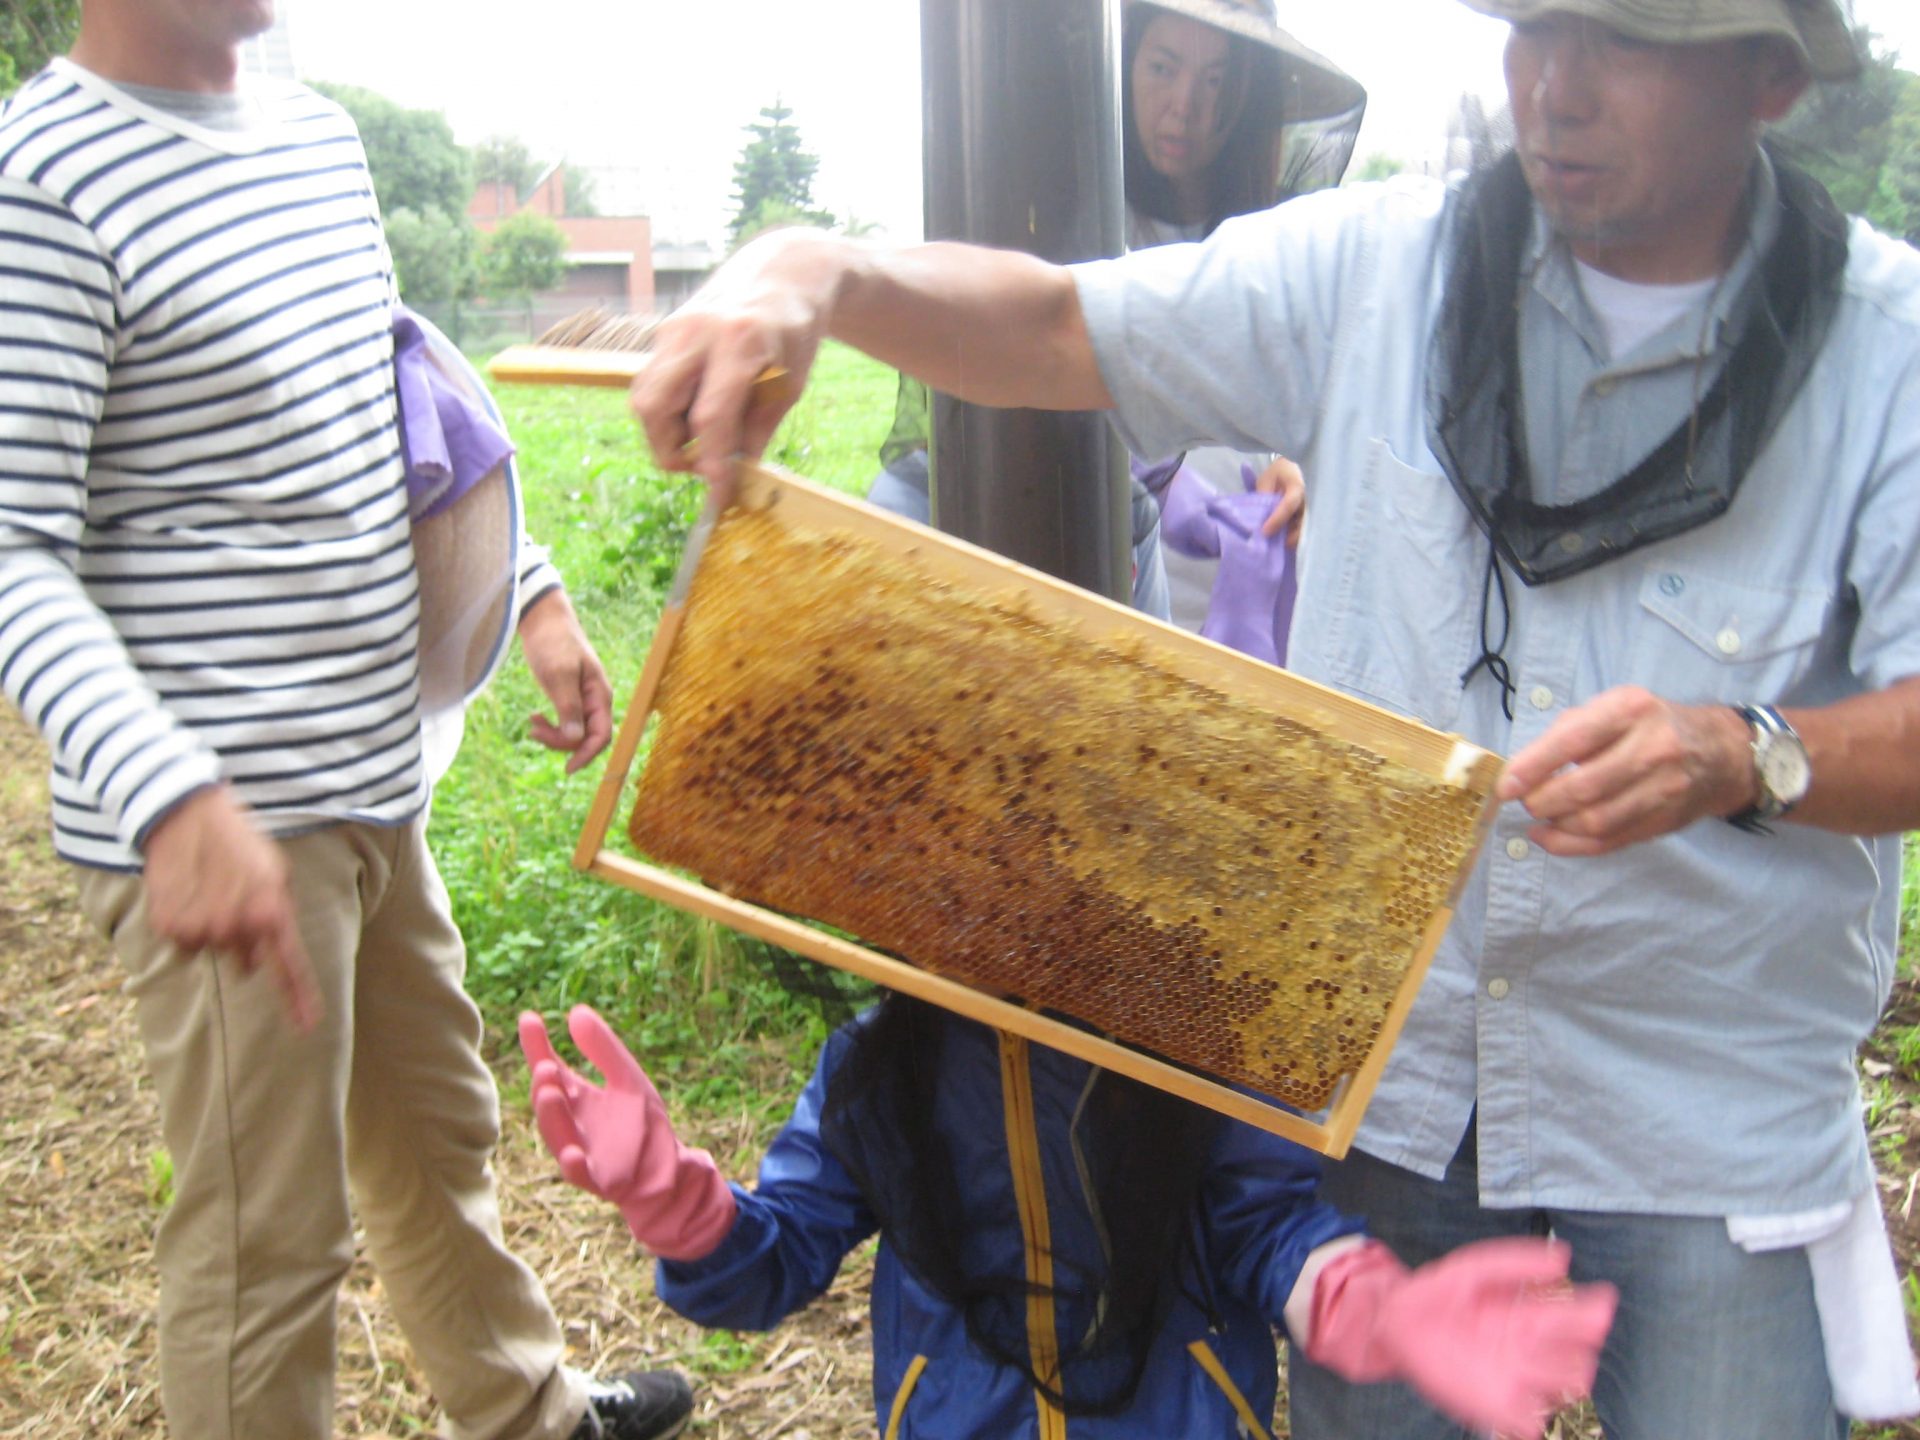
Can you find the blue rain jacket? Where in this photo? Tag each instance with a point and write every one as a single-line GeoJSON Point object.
{"type": "Point", "coordinates": [1006, 1110]}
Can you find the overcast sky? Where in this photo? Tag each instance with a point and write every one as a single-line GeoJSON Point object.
{"type": "Point", "coordinates": [658, 91]}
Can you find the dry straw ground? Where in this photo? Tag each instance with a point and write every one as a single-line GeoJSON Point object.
{"type": "Point", "coordinates": [82, 1181]}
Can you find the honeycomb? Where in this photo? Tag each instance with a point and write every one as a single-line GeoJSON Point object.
{"type": "Point", "coordinates": [994, 796]}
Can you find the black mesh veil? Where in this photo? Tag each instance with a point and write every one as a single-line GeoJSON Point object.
{"type": "Point", "coordinates": [1689, 477]}
{"type": "Point", "coordinates": [1778, 321]}
{"type": "Point", "coordinates": [1314, 153]}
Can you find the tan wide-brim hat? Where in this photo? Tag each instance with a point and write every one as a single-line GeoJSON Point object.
{"type": "Point", "coordinates": [1321, 88]}
{"type": "Point", "coordinates": [1815, 27]}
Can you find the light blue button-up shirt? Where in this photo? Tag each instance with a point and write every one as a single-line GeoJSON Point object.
{"type": "Point", "coordinates": [1669, 1029]}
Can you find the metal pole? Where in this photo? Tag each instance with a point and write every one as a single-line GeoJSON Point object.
{"type": "Point", "coordinates": [1022, 145]}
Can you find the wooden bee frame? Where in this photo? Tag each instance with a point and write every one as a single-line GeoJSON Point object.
{"type": "Point", "coordinates": [1445, 769]}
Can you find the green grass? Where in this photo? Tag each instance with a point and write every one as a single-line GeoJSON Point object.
{"type": "Point", "coordinates": [160, 1179]}
{"type": "Point", "coordinates": [1906, 1050]}
{"type": "Point", "coordinates": [715, 1027]}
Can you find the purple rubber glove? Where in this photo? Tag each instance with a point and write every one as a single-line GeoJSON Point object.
{"type": "Point", "coordinates": [1251, 607]}
{"type": "Point", "coordinates": [1155, 474]}
{"type": "Point", "coordinates": [1491, 1334]}
{"type": "Point", "coordinates": [449, 440]}
{"type": "Point", "coordinates": [1185, 522]}
{"type": "Point", "coordinates": [617, 1142]}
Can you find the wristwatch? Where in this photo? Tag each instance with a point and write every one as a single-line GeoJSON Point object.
{"type": "Point", "coordinates": [1781, 770]}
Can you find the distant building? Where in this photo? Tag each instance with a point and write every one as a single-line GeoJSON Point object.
{"type": "Point", "coordinates": [609, 257]}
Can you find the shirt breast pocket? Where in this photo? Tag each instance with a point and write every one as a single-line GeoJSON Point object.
{"type": "Point", "coordinates": [1399, 624]}
{"type": "Point", "coordinates": [1710, 639]}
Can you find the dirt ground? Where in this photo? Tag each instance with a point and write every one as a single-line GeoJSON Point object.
{"type": "Point", "coordinates": [83, 1180]}
{"type": "Point", "coordinates": [82, 1176]}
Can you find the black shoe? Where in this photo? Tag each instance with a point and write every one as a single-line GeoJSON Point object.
{"type": "Point", "coordinates": [640, 1405]}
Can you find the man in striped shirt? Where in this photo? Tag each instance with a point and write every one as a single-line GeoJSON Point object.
{"type": "Point", "coordinates": [209, 607]}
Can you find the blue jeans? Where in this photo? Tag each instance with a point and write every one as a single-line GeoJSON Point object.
{"type": "Point", "coordinates": [1710, 1343]}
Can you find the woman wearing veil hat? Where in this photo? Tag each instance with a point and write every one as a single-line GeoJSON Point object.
{"type": "Point", "coordinates": [1224, 113]}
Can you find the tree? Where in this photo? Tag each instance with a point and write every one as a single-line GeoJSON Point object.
{"type": "Point", "coordinates": [773, 215]}
{"type": "Point", "coordinates": [581, 199]}
{"type": "Point", "coordinates": [415, 162]}
{"type": "Point", "coordinates": [1857, 139]}
{"type": "Point", "coordinates": [773, 178]}
{"type": "Point", "coordinates": [31, 33]}
{"type": "Point", "coordinates": [433, 256]}
{"type": "Point", "coordinates": [423, 181]}
{"type": "Point", "coordinates": [525, 253]}
{"type": "Point", "coordinates": [504, 160]}
{"type": "Point", "coordinates": [1896, 205]}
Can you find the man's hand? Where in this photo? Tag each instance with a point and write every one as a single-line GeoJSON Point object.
{"type": "Point", "coordinates": [727, 366]}
{"type": "Point", "coordinates": [1282, 478]}
{"type": "Point", "coordinates": [214, 882]}
{"type": "Point", "coordinates": [1629, 766]}
{"type": "Point", "coordinates": [570, 675]}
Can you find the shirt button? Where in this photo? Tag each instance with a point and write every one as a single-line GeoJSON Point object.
{"type": "Point", "coordinates": [1498, 989]}
{"type": "Point", "coordinates": [1518, 849]}
{"type": "Point", "coordinates": [1672, 584]}
{"type": "Point", "coordinates": [1541, 697]}
{"type": "Point", "coordinates": [1572, 543]}
{"type": "Point", "coordinates": [1604, 388]}
{"type": "Point", "coordinates": [1728, 640]}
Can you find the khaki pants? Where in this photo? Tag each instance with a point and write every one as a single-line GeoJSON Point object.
{"type": "Point", "coordinates": [268, 1129]}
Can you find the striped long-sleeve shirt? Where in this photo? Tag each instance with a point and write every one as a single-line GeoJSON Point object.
{"type": "Point", "coordinates": [205, 567]}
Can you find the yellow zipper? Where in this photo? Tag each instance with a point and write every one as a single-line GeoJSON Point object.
{"type": "Point", "coordinates": [904, 1394]}
{"type": "Point", "coordinates": [1210, 1362]}
{"type": "Point", "coordinates": [1030, 1194]}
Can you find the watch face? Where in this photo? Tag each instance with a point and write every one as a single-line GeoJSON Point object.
{"type": "Point", "coordinates": [1784, 772]}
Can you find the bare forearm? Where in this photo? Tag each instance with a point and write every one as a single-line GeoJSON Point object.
{"type": "Point", "coordinates": [995, 327]}
{"type": "Point", "coordinates": [992, 326]}
{"type": "Point", "coordinates": [1865, 754]}
{"type": "Point", "coordinates": [1629, 766]}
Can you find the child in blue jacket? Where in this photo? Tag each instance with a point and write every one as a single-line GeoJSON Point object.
{"type": "Point", "coordinates": [1064, 1252]}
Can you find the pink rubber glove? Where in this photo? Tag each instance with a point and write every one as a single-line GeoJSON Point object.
{"type": "Point", "coordinates": [617, 1142]}
{"type": "Point", "coordinates": [1491, 1334]}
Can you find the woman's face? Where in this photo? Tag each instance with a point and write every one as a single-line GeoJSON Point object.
{"type": "Point", "coordinates": [1179, 96]}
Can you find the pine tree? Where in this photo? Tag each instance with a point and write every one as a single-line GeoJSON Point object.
{"type": "Point", "coordinates": [773, 178]}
